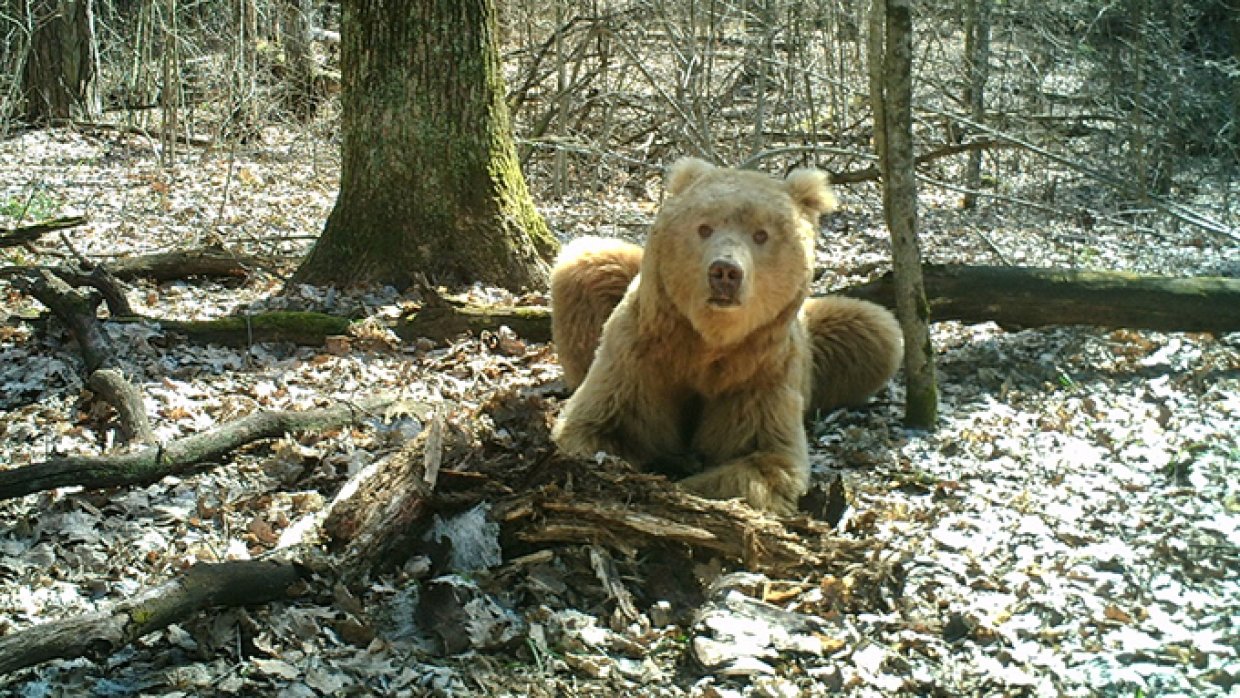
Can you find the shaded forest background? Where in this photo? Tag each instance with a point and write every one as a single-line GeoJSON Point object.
{"type": "Point", "coordinates": [1115, 113]}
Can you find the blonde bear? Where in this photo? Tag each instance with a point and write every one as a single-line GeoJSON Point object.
{"type": "Point", "coordinates": [701, 356]}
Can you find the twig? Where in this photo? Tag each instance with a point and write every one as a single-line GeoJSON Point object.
{"type": "Point", "coordinates": [1171, 208]}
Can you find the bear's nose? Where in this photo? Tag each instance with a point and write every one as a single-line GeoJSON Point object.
{"type": "Point", "coordinates": [725, 281]}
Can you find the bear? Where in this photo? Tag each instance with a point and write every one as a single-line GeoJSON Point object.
{"type": "Point", "coordinates": [701, 356]}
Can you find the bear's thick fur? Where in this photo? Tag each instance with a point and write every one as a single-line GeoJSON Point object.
{"type": "Point", "coordinates": [706, 362]}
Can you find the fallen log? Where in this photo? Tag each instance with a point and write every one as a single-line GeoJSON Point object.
{"type": "Point", "coordinates": [185, 455]}
{"type": "Point", "coordinates": [443, 321]}
{"type": "Point", "coordinates": [103, 281]}
{"type": "Point", "coordinates": [1018, 297]}
{"type": "Point", "coordinates": [203, 586]}
{"type": "Point", "coordinates": [296, 327]}
{"type": "Point", "coordinates": [659, 515]}
{"type": "Point", "coordinates": [541, 498]}
{"type": "Point", "coordinates": [12, 237]}
{"type": "Point", "coordinates": [166, 266]}
{"type": "Point", "coordinates": [307, 329]}
{"type": "Point", "coordinates": [1030, 297]}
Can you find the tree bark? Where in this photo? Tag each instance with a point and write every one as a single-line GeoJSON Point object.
{"type": "Point", "coordinates": [375, 516]}
{"type": "Point", "coordinates": [1020, 297]}
{"type": "Point", "coordinates": [448, 320]}
{"type": "Point", "coordinates": [98, 636]}
{"type": "Point", "coordinates": [59, 76]}
{"type": "Point", "coordinates": [430, 185]}
{"type": "Point", "coordinates": [891, 63]}
{"type": "Point", "coordinates": [655, 514]}
{"type": "Point", "coordinates": [297, 327]}
{"type": "Point", "coordinates": [540, 498]}
{"type": "Point", "coordinates": [303, 84]}
{"type": "Point", "coordinates": [1014, 297]}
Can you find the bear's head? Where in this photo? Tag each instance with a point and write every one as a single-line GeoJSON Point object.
{"type": "Point", "coordinates": [732, 250]}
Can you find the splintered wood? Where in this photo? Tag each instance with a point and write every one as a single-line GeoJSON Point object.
{"type": "Point", "coordinates": [503, 454]}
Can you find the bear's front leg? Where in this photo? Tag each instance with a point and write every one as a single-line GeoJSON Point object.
{"type": "Point", "coordinates": [758, 439]}
{"type": "Point", "coordinates": [616, 410]}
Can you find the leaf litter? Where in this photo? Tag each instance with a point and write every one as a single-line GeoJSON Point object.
{"type": "Point", "coordinates": [1070, 529]}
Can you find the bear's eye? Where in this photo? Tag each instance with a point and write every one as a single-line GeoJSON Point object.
{"type": "Point", "coordinates": [760, 236]}
{"type": "Point", "coordinates": [705, 230]}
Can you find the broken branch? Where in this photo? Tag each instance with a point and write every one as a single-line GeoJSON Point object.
{"type": "Point", "coordinates": [12, 237]}
{"type": "Point", "coordinates": [203, 586]}
{"type": "Point", "coordinates": [77, 311]}
{"type": "Point", "coordinates": [185, 455]}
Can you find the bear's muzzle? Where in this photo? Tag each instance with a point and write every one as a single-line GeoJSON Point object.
{"type": "Point", "coordinates": [725, 277]}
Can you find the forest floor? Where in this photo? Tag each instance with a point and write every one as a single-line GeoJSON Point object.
{"type": "Point", "coordinates": [1071, 528]}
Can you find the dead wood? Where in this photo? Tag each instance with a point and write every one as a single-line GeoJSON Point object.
{"type": "Point", "coordinates": [12, 237]}
{"type": "Point", "coordinates": [166, 266]}
{"type": "Point", "coordinates": [77, 311]}
{"type": "Point", "coordinates": [638, 511]}
{"type": "Point", "coordinates": [103, 281]}
{"type": "Point", "coordinates": [502, 454]}
{"type": "Point", "coordinates": [445, 320]}
{"type": "Point", "coordinates": [203, 586]}
{"type": "Point", "coordinates": [376, 513]}
{"type": "Point", "coordinates": [296, 327]}
{"type": "Point", "coordinates": [186, 455]}
{"type": "Point", "coordinates": [1029, 297]}
{"type": "Point", "coordinates": [1009, 296]}
{"type": "Point", "coordinates": [154, 135]}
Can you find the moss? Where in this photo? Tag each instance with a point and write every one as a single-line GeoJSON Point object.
{"type": "Point", "coordinates": [921, 409]}
{"type": "Point", "coordinates": [141, 617]}
{"type": "Point", "coordinates": [303, 328]}
{"type": "Point", "coordinates": [431, 186]}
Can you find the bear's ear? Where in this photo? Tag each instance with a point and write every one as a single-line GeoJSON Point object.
{"type": "Point", "coordinates": [810, 190]}
{"type": "Point", "coordinates": [684, 172]}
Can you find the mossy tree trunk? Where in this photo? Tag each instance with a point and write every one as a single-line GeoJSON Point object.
{"type": "Point", "coordinates": [430, 187]}
{"type": "Point", "coordinates": [59, 75]}
{"type": "Point", "coordinates": [891, 66]}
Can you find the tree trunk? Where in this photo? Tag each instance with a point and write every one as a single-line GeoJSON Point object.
{"type": "Point", "coordinates": [60, 70]}
{"type": "Point", "coordinates": [977, 57]}
{"type": "Point", "coordinates": [430, 186]}
{"type": "Point", "coordinates": [891, 63]}
{"type": "Point", "coordinates": [304, 88]}
{"type": "Point", "coordinates": [244, 117]}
